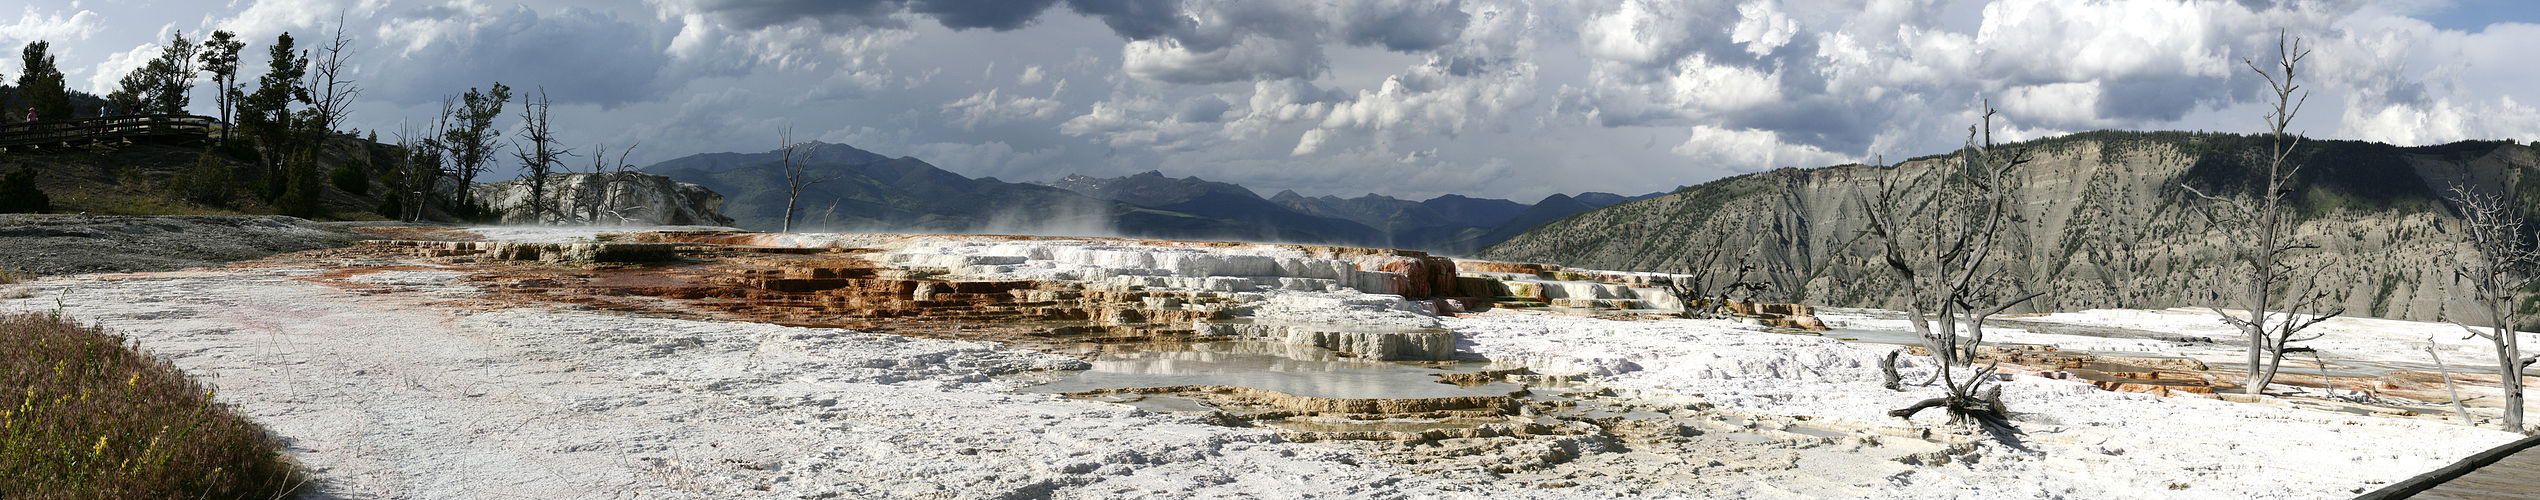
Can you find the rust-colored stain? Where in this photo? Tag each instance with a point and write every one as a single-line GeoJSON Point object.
{"type": "Point", "coordinates": [722, 277]}
{"type": "Point", "coordinates": [819, 287]}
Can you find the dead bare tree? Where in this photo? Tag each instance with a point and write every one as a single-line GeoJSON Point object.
{"type": "Point", "coordinates": [332, 92]}
{"type": "Point", "coordinates": [2261, 233]}
{"type": "Point", "coordinates": [1725, 242]}
{"type": "Point", "coordinates": [608, 177]}
{"type": "Point", "coordinates": [2431, 350]}
{"type": "Point", "coordinates": [2500, 264]}
{"type": "Point", "coordinates": [424, 163]}
{"type": "Point", "coordinates": [796, 176]}
{"type": "Point", "coordinates": [1939, 231]}
{"type": "Point", "coordinates": [539, 157]}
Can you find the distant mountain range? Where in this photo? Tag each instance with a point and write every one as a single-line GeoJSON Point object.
{"type": "Point", "coordinates": [871, 192]}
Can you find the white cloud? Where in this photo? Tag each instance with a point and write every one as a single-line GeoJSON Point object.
{"type": "Point", "coordinates": [2054, 40]}
{"type": "Point", "coordinates": [1640, 32]}
{"type": "Point", "coordinates": [58, 27]}
{"type": "Point", "coordinates": [1558, 94]}
{"type": "Point", "coordinates": [2073, 104]}
{"type": "Point", "coordinates": [1762, 27]}
{"type": "Point", "coordinates": [264, 19]}
{"type": "Point", "coordinates": [1309, 143]}
{"type": "Point", "coordinates": [110, 73]}
{"type": "Point", "coordinates": [1249, 58]}
{"type": "Point", "coordinates": [1751, 150]}
{"type": "Point", "coordinates": [986, 108]}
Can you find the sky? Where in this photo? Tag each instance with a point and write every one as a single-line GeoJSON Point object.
{"type": "Point", "coordinates": [1408, 98]}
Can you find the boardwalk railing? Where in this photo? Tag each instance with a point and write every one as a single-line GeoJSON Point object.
{"type": "Point", "coordinates": [87, 130]}
{"type": "Point", "coordinates": [2438, 479]}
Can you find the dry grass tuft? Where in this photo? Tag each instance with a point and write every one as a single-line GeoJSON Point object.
{"type": "Point", "coordinates": [83, 414]}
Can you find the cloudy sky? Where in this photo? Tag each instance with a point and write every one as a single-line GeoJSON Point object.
{"type": "Point", "coordinates": [1409, 98]}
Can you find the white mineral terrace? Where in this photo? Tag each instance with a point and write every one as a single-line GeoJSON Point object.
{"type": "Point", "coordinates": [406, 387]}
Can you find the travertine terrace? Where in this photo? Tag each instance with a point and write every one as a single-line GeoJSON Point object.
{"type": "Point", "coordinates": [714, 364]}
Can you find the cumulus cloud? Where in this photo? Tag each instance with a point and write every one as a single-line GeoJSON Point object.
{"type": "Point", "coordinates": [830, 14]}
{"type": "Point", "coordinates": [1250, 58]}
{"type": "Point", "coordinates": [1136, 123]}
{"type": "Point", "coordinates": [1201, 109]}
{"type": "Point", "coordinates": [999, 15]}
{"type": "Point", "coordinates": [1751, 150]}
{"type": "Point", "coordinates": [1136, 19]}
{"type": "Point", "coordinates": [986, 108]}
{"type": "Point", "coordinates": [1538, 95]}
{"type": "Point", "coordinates": [110, 73]}
{"type": "Point", "coordinates": [1399, 25]}
{"type": "Point", "coordinates": [579, 56]}
{"type": "Point", "coordinates": [1762, 27]}
{"type": "Point", "coordinates": [57, 26]}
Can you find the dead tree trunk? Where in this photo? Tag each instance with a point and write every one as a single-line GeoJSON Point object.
{"type": "Point", "coordinates": [1726, 241]}
{"type": "Point", "coordinates": [540, 156]}
{"type": "Point", "coordinates": [2448, 387]}
{"type": "Point", "coordinates": [2261, 228]}
{"type": "Point", "coordinates": [2500, 263]}
{"type": "Point", "coordinates": [1940, 233]}
{"type": "Point", "coordinates": [796, 178]}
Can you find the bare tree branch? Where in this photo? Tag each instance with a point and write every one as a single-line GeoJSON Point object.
{"type": "Point", "coordinates": [797, 176]}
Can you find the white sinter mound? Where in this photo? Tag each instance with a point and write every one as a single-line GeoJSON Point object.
{"type": "Point", "coordinates": [404, 384]}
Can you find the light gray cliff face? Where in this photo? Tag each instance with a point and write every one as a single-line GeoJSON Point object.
{"type": "Point", "coordinates": [618, 198]}
{"type": "Point", "coordinates": [2106, 226]}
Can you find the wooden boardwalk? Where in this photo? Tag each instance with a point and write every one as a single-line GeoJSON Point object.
{"type": "Point", "coordinates": [2509, 471]}
{"type": "Point", "coordinates": [60, 133]}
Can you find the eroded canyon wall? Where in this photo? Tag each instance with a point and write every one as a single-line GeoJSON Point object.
{"type": "Point", "coordinates": [2102, 216]}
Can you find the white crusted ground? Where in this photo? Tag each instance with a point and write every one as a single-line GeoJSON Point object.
{"type": "Point", "coordinates": [2086, 442]}
{"type": "Point", "coordinates": [419, 390]}
{"type": "Point", "coordinates": [395, 395]}
{"type": "Point", "coordinates": [2371, 339]}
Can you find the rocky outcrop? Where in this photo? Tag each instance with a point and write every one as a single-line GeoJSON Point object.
{"type": "Point", "coordinates": [627, 198]}
{"type": "Point", "coordinates": [2101, 218]}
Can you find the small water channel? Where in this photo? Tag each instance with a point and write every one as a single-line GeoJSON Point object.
{"type": "Point", "coordinates": [1292, 369]}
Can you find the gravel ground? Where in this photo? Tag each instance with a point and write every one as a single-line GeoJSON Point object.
{"type": "Point", "coordinates": [46, 245]}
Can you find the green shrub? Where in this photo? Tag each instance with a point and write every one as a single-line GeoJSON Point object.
{"type": "Point", "coordinates": [19, 195]}
{"type": "Point", "coordinates": [209, 182]}
{"type": "Point", "coordinates": [352, 179]}
{"type": "Point", "coordinates": [301, 190]}
{"type": "Point", "coordinates": [89, 416]}
{"type": "Point", "coordinates": [392, 206]}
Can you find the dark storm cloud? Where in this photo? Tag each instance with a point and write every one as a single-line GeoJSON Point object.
{"type": "Point", "coordinates": [580, 56]}
{"type": "Point", "coordinates": [999, 15]}
{"type": "Point", "coordinates": [1132, 19]}
{"type": "Point", "coordinates": [832, 14]}
{"type": "Point", "coordinates": [1401, 25]}
{"type": "Point", "coordinates": [1137, 19]}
